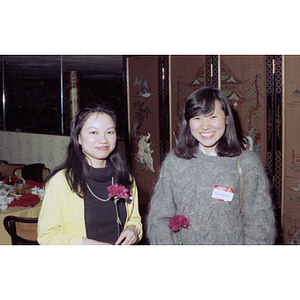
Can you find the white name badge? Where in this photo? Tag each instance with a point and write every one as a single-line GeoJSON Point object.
{"type": "Point", "coordinates": [222, 193]}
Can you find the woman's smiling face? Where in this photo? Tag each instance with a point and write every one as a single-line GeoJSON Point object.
{"type": "Point", "coordinates": [98, 139]}
{"type": "Point", "coordinates": [209, 129]}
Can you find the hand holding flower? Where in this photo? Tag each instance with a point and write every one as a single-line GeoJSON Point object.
{"type": "Point", "coordinates": [117, 192]}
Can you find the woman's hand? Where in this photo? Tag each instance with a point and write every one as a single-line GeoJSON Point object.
{"type": "Point", "coordinates": [128, 236]}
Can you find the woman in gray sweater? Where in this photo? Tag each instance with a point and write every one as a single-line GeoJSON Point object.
{"type": "Point", "coordinates": [199, 180]}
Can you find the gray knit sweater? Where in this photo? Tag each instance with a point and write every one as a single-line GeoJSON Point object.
{"type": "Point", "coordinates": [185, 187]}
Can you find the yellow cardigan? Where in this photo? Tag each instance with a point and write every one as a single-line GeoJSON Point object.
{"type": "Point", "coordinates": [61, 219]}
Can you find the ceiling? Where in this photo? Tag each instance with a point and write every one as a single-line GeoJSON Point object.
{"type": "Point", "coordinates": [90, 66]}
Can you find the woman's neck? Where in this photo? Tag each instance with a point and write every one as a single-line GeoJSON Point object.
{"type": "Point", "coordinates": [97, 164]}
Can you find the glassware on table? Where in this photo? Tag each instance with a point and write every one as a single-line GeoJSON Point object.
{"type": "Point", "coordinates": [26, 189]}
{"type": "Point", "coordinates": [19, 188]}
{"type": "Point", "coordinates": [10, 180]}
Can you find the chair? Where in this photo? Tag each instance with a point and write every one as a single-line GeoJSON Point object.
{"type": "Point", "coordinates": [8, 169]}
{"type": "Point", "coordinates": [35, 172]}
{"type": "Point", "coordinates": [23, 231]}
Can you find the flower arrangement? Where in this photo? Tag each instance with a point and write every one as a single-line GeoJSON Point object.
{"type": "Point", "coordinates": [117, 192]}
{"type": "Point", "coordinates": [177, 223]}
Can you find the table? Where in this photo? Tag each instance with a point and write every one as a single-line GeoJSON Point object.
{"type": "Point", "coordinates": [19, 211]}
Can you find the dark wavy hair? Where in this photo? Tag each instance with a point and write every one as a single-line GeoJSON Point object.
{"type": "Point", "coordinates": [202, 102]}
{"type": "Point", "coordinates": [76, 166]}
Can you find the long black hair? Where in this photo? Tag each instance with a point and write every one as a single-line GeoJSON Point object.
{"type": "Point", "coordinates": [202, 102]}
{"type": "Point", "coordinates": [76, 166]}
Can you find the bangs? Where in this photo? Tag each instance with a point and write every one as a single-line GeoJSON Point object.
{"type": "Point", "coordinates": [207, 107]}
{"type": "Point", "coordinates": [196, 108]}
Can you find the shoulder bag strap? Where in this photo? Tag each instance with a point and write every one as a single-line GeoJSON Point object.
{"type": "Point", "coordinates": [240, 171]}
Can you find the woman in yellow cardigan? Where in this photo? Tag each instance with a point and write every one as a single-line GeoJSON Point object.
{"type": "Point", "coordinates": [77, 208]}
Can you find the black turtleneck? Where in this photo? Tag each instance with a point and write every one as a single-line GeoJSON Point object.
{"type": "Point", "coordinates": [100, 216]}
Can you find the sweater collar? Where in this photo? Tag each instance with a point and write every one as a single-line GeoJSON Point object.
{"type": "Point", "coordinates": [214, 153]}
{"type": "Point", "coordinates": [100, 174]}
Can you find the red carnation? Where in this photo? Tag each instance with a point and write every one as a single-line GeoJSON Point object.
{"type": "Point", "coordinates": [117, 190]}
{"type": "Point", "coordinates": [178, 221]}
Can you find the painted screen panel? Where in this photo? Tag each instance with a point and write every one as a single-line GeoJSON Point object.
{"type": "Point", "coordinates": [187, 74]}
{"type": "Point", "coordinates": [143, 113]}
{"type": "Point", "coordinates": [243, 82]}
{"type": "Point", "coordinates": [291, 179]}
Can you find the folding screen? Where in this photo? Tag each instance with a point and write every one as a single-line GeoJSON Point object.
{"type": "Point", "coordinates": [143, 123]}
{"type": "Point", "coordinates": [187, 74]}
{"type": "Point", "coordinates": [274, 89]}
{"type": "Point", "coordinates": [252, 83]}
{"type": "Point", "coordinates": [243, 82]}
{"type": "Point", "coordinates": [291, 158]}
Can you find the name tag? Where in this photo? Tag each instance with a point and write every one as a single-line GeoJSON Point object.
{"type": "Point", "coordinates": [222, 193]}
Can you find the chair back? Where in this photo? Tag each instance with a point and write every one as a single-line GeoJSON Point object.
{"type": "Point", "coordinates": [36, 172]}
{"type": "Point", "coordinates": [18, 173]}
{"type": "Point", "coordinates": [23, 231]}
{"type": "Point", "coordinates": [8, 169]}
